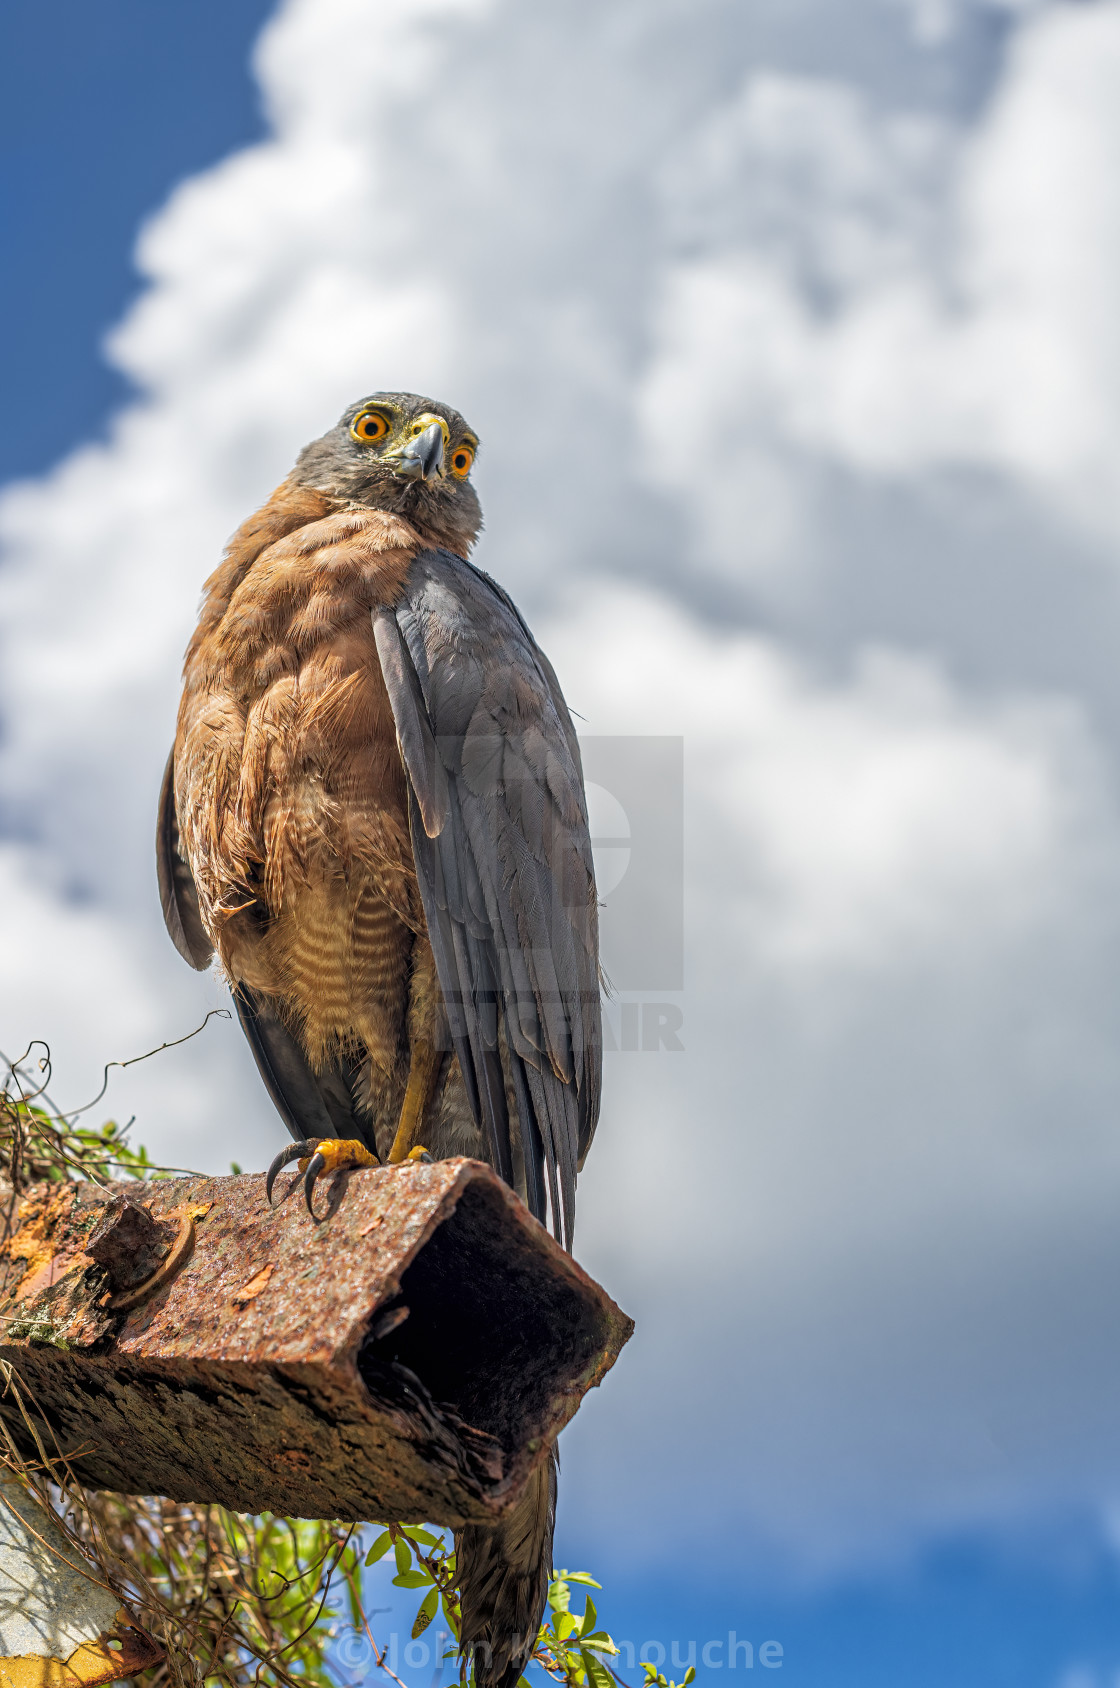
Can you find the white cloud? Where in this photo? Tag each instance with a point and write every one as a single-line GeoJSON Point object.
{"type": "Point", "coordinates": [76, 991]}
{"type": "Point", "coordinates": [51, 953]}
{"type": "Point", "coordinates": [920, 303]}
{"type": "Point", "coordinates": [870, 817]}
{"type": "Point", "coordinates": [870, 1205]}
{"type": "Point", "coordinates": [893, 1113]}
{"type": "Point", "coordinates": [936, 21]}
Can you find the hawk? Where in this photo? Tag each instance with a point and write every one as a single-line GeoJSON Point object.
{"type": "Point", "coordinates": [374, 815]}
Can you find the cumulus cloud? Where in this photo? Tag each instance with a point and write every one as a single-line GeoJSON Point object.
{"type": "Point", "coordinates": [936, 21]}
{"type": "Point", "coordinates": [870, 817]}
{"type": "Point", "coordinates": [888, 295]}
{"type": "Point", "coordinates": [718, 321]}
{"type": "Point", "coordinates": [893, 1116]}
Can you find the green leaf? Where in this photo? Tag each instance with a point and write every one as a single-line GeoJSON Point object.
{"type": "Point", "coordinates": [380, 1548]}
{"type": "Point", "coordinates": [426, 1613]}
{"type": "Point", "coordinates": [597, 1673]}
{"type": "Point", "coordinates": [559, 1595]}
{"type": "Point", "coordinates": [579, 1577]}
{"type": "Point", "coordinates": [601, 1642]}
{"type": "Point", "coordinates": [403, 1554]}
{"type": "Point", "coordinates": [412, 1579]}
{"type": "Point", "coordinates": [424, 1537]}
{"type": "Point", "coordinates": [590, 1617]}
{"type": "Point", "coordinates": [688, 1676]}
{"type": "Point", "coordinates": [566, 1625]}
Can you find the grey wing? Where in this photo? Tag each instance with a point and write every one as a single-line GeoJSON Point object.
{"type": "Point", "coordinates": [503, 857]}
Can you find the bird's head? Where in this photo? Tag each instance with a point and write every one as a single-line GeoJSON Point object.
{"type": "Point", "coordinates": [400, 452]}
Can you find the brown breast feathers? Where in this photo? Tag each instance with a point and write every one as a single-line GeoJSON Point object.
{"type": "Point", "coordinates": [288, 783]}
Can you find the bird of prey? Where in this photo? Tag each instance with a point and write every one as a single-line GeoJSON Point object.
{"type": "Point", "coordinates": [374, 814]}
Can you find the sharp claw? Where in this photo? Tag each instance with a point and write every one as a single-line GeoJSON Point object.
{"type": "Point", "coordinates": [294, 1151]}
{"type": "Point", "coordinates": [316, 1165]}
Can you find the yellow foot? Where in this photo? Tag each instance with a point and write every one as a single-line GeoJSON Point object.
{"type": "Point", "coordinates": [400, 1156]}
{"type": "Point", "coordinates": [318, 1156]}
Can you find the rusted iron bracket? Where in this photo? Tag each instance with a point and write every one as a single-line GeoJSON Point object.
{"type": "Point", "coordinates": [409, 1358]}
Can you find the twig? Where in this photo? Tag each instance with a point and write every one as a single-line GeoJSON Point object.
{"type": "Point", "coordinates": [173, 1043]}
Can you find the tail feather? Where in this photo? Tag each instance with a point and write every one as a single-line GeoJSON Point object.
{"type": "Point", "coordinates": [503, 1581]}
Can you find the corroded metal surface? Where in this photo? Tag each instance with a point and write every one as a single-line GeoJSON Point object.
{"type": "Point", "coordinates": [410, 1357]}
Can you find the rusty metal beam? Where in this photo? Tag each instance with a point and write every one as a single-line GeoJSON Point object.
{"type": "Point", "coordinates": [408, 1358]}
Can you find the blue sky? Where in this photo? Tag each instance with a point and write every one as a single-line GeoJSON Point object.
{"type": "Point", "coordinates": [103, 109]}
{"type": "Point", "coordinates": [978, 1612]}
{"type": "Point", "coordinates": [816, 307]}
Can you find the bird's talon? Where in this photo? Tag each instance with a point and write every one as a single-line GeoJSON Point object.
{"type": "Point", "coordinates": [300, 1152]}
{"type": "Point", "coordinates": [419, 1154]}
{"type": "Point", "coordinates": [315, 1166]}
{"type": "Point", "coordinates": [333, 1154]}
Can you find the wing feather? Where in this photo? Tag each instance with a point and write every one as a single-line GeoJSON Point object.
{"type": "Point", "coordinates": [177, 890]}
{"type": "Point", "coordinates": [503, 858]}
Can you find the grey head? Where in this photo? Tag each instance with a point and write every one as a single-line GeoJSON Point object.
{"type": "Point", "coordinates": [404, 453]}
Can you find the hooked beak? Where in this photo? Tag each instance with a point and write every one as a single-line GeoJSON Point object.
{"type": "Point", "coordinates": [422, 458]}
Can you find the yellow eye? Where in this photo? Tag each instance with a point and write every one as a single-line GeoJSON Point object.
{"type": "Point", "coordinates": [370, 425]}
{"type": "Point", "coordinates": [461, 459]}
